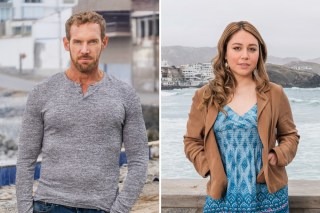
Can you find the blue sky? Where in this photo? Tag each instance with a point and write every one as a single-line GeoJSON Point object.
{"type": "Point", "coordinates": [291, 28]}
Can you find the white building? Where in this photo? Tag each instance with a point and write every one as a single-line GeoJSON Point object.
{"type": "Point", "coordinates": [164, 63]}
{"type": "Point", "coordinates": [31, 28]}
{"type": "Point", "coordinates": [196, 74]}
{"type": "Point", "coordinates": [206, 71]}
{"type": "Point", "coordinates": [145, 39]}
{"type": "Point", "coordinates": [199, 71]}
{"type": "Point", "coordinates": [32, 9]}
{"type": "Point", "coordinates": [296, 67]}
{"type": "Point", "coordinates": [16, 16]}
{"type": "Point", "coordinates": [168, 80]}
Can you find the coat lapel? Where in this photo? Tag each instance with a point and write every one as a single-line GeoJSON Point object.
{"type": "Point", "coordinates": [262, 100]}
{"type": "Point", "coordinates": [210, 119]}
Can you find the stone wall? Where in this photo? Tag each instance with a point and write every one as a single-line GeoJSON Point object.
{"type": "Point", "coordinates": [188, 196]}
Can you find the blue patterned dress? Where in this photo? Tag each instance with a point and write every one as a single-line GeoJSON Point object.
{"type": "Point", "coordinates": [241, 150]}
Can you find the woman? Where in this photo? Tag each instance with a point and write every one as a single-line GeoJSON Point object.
{"type": "Point", "coordinates": [234, 124]}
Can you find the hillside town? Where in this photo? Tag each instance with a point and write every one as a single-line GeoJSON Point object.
{"type": "Point", "coordinates": [188, 75]}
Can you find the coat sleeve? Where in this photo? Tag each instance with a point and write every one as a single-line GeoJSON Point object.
{"type": "Point", "coordinates": [194, 137]}
{"type": "Point", "coordinates": [287, 134]}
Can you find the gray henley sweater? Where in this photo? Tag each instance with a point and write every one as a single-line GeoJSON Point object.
{"type": "Point", "coordinates": [80, 138]}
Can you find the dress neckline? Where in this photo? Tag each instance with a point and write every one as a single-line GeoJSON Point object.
{"type": "Point", "coordinates": [234, 112]}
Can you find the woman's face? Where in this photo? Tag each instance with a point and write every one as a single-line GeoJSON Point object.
{"type": "Point", "coordinates": [242, 54]}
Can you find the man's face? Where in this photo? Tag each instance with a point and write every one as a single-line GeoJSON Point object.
{"type": "Point", "coordinates": [85, 46]}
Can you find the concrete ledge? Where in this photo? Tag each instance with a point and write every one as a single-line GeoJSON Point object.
{"type": "Point", "coordinates": [188, 195]}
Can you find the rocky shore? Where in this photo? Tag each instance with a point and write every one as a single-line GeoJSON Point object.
{"type": "Point", "coordinates": [288, 77]}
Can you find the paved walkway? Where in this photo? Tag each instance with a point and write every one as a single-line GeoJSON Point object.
{"type": "Point", "coordinates": [15, 83]}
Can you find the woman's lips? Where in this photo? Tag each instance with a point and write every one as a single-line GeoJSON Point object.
{"type": "Point", "coordinates": [244, 65]}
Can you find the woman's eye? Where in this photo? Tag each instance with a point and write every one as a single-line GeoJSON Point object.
{"type": "Point", "coordinates": [236, 48]}
{"type": "Point", "coordinates": [252, 49]}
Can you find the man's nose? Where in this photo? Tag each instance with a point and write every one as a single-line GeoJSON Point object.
{"type": "Point", "coordinates": [84, 49]}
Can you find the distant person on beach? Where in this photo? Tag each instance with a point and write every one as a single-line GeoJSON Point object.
{"type": "Point", "coordinates": [78, 120]}
{"type": "Point", "coordinates": [234, 123]}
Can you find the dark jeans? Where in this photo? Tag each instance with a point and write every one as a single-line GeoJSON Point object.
{"type": "Point", "coordinates": [42, 207]}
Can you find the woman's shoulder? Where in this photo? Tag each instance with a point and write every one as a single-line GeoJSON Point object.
{"type": "Point", "coordinates": [275, 88]}
{"type": "Point", "coordinates": [277, 92]}
{"type": "Point", "coordinates": [202, 89]}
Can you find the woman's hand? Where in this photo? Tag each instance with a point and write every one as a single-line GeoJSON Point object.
{"type": "Point", "coordinates": [273, 159]}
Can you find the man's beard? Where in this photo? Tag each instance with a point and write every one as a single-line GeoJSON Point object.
{"type": "Point", "coordinates": [85, 68]}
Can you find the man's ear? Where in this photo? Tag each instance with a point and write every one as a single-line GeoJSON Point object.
{"type": "Point", "coordinates": [66, 43]}
{"type": "Point", "coordinates": [105, 41]}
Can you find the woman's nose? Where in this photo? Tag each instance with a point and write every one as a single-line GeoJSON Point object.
{"type": "Point", "coordinates": [244, 54]}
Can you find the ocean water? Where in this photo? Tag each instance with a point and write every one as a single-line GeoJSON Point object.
{"type": "Point", "coordinates": [175, 106]}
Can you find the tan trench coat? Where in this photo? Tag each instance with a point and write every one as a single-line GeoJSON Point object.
{"type": "Point", "coordinates": [275, 123]}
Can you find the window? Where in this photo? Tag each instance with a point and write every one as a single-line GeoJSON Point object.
{"type": "Point", "coordinates": [17, 30]}
{"type": "Point", "coordinates": [32, 1]}
{"type": "Point", "coordinates": [157, 27]}
{"type": "Point", "coordinates": [68, 1]}
{"type": "Point", "coordinates": [117, 21]}
{"type": "Point", "coordinates": [22, 30]}
{"type": "Point", "coordinates": [33, 12]}
{"type": "Point", "coordinates": [150, 22]}
{"type": "Point", "coordinates": [142, 29]}
{"type": "Point", "coordinates": [5, 14]}
{"type": "Point", "coordinates": [28, 30]}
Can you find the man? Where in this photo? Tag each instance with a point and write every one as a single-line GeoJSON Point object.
{"type": "Point", "coordinates": [78, 120]}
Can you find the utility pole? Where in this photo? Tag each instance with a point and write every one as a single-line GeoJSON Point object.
{"type": "Point", "coordinates": [59, 35]}
{"type": "Point", "coordinates": [155, 55]}
{"type": "Point", "coordinates": [21, 57]}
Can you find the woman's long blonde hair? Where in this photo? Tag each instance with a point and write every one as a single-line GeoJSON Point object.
{"type": "Point", "coordinates": [224, 83]}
